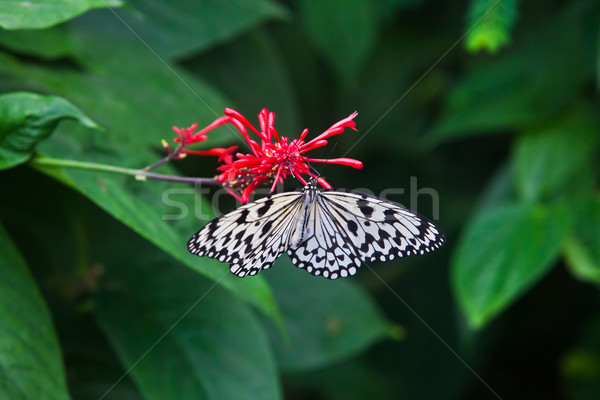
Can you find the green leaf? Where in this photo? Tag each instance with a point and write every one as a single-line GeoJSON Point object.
{"type": "Point", "coordinates": [177, 29]}
{"type": "Point", "coordinates": [529, 83]}
{"type": "Point", "coordinates": [504, 252]}
{"type": "Point", "coordinates": [36, 14]}
{"type": "Point", "coordinates": [491, 22]}
{"type": "Point", "coordinates": [183, 337]}
{"type": "Point", "coordinates": [166, 216]}
{"type": "Point", "coordinates": [50, 44]}
{"type": "Point", "coordinates": [325, 320]}
{"type": "Point", "coordinates": [343, 32]}
{"type": "Point", "coordinates": [547, 157]}
{"type": "Point", "coordinates": [26, 119]}
{"type": "Point", "coordinates": [582, 249]}
{"type": "Point", "coordinates": [499, 190]}
{"type": "Point", "coordinates": [30, 358]}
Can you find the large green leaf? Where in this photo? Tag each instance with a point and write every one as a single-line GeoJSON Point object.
{"type": "Point", "coordinates": [28, 118]}
{"type": "Point", "coordinates": [167, 217]}
{"type": "Point", "coordinates": [180, 335]}
{"type": "Point", "coordinates": [582, 249]}
{"type": "Point", "coordinates": [325, 320]}
{"type": "Point", "coordinates": [30, 359]}
{"type": "Point", "coordinates": [343, 32]}
{"type": "Point", "coordinates": [503, 252]}
{"type": "Point", "coordinates": [181, 28]}
{"type": "Point", "coordinates": [35, 14]}
{"type": "Point", "coordinates": [547, 157]}
{"type": "Point", "coordinates": [528, 83]}
{"type": "Point", "coordinates": [50, 44]}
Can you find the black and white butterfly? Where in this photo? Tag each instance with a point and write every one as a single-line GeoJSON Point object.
{"type": "Point", "coordinates": [327, 232]}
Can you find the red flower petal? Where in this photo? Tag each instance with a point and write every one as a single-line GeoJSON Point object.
{"type": "Point", "coordinates": [342, 161]}
{"type": "Point", "coordinates": [336, 128]}
{"type": "Point", "coordinates": [239, 117]}
{"type": "Point", "coordinates": [324, 183]}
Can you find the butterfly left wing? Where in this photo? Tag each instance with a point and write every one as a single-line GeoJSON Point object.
{"type": "Point", "coordinates": [252, 236]}
{"type": "Point", "coordinates": [354, 227]}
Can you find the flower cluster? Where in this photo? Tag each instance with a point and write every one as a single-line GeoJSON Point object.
{"type": "Point", "coordinates": [272, 158]}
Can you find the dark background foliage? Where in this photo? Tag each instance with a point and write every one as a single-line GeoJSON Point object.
{"type": "Point", "coordinates": [490, 104]}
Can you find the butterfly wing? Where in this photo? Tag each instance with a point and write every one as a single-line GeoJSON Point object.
{"type": "Point", "coordinates": [354, 227]}
{"type": "Point", "coordinates": [326, 248]}
{"type": "Point", "coordinates": [252, 236]}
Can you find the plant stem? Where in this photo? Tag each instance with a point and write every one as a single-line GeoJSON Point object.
{"type": "Point", "coordinates": [139, 174]}
{"type": "Point", "coordinates": [167, 158]}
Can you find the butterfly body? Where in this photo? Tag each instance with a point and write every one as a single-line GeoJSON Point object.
{"type": "Point", "coordinates": [328, 233]}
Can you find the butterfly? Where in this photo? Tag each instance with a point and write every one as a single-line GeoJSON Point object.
{"type": "Point", "coordinates": [327, 232]}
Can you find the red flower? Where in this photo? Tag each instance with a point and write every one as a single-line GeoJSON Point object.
{"type": "Point", "coordinates": [277, 156]}
{"type": "Point", "coordinates": [187, 137]}
{"type": "Point", "coordinates": [271, 161]}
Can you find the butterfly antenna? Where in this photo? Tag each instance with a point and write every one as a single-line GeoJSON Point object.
{"type": "Point", "coordinates": [291, 169]}
{"type": "Point", "coordinates": [311, 168]}
{"type": "Point", "coordinates": [315, 171]}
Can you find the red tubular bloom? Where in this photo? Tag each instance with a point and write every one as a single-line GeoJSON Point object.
{"type": "Point", "coordinates": [271, 161]}
{"type": "Point", "coordinates": [223, 153]}
{"type": "Point", "coordinates": [239, 117]}
{"type": "Point", "coordinates": [277, 157]}
{"type": "Point", "coordinates": [324, 183]}
{"type": "Point", "coordinates": [334, 129]}
{"type": "Point", "coordinates": [187, 137]}
{"type": "Point", "coordinates": [351, 162]}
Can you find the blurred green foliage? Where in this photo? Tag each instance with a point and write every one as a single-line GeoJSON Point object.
{"type": "Point", "coordinates": [494, 104]}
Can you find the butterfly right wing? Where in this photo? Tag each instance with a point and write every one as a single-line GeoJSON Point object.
{"type": "Point", "coordinates": [252, 236]}
{"type": "Point", "coordinates": [379, 229]}
{"type": "Point", "coordinates": [344, 229]}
